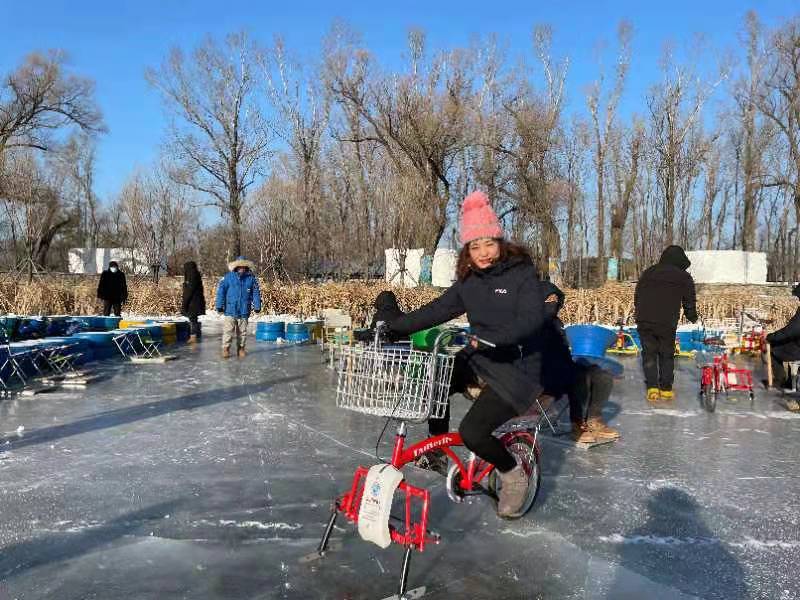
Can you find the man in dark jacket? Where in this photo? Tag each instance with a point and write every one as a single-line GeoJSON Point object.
{"type": "Point", "coordinates": [588, 386]}
{"type": "Point", "coordinates": [661, 291]}
{"type": "Point", "coordinates": [193, 300]}
{"type": "Point", "coordinates": [785, 347]}
{"type": "Point", "coordinates": [112, 289]}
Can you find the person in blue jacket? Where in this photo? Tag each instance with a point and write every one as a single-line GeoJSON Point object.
{"type": "Point", "coordinates": [237, 296]}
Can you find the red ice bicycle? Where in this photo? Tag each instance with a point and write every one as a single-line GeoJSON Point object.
{"type": "Point", "coordinates": [407, 385]}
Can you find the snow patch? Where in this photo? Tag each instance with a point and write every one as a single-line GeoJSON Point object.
{"type": "Point", "coordinates": [617, 538]}
{"type": "Point", "coordinates": [747, 544]}
{"type": "Point", "coordinates": [753, 544]}
{"type": "Point", "coordinates": [667, 412]}
{"type": "Point", "coordinates": [260, 525]}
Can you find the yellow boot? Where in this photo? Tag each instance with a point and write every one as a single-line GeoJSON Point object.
{"type": "Point", "coordinates": [667, 394]}
{"type": "Point", "coordinates": [653, 395]}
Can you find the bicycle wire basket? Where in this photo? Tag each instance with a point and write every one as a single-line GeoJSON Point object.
{"type": "Point", "coordinates": [392, 381]}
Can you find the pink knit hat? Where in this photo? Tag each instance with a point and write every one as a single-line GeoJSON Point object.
{"type": "Point", "coordinates": [478, 220]}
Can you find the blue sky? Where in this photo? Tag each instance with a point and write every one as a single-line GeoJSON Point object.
{"type": "Point", "coordinates": [113, 42]}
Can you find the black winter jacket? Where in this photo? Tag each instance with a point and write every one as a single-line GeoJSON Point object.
{"type": "Point", "coordinates": [193, 300]}
{"type": "Point", "coordinates": [786, 341]}
{"type": "Point", "coordinates": [558, 368]}
{"type": "Point", "coordinates": [113, 287]}
{"type": "Point", "coordinates": [663, 289]}
{"type": "Point", "coordinates": [504, 305]}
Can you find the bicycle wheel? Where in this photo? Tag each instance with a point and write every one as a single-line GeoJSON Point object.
{"type": "Point", "coordinates": [521, 445]}
{"type": "Point", "coordinates": [709, 398]}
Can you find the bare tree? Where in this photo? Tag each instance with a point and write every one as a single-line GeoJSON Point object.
{"type": "Point", "coordinates": [218, 132]}
{"type": "Point", "coordinates": [627, 151]}
{"type": "Point", "coordinates": [779, 102]}
{"type": "Point", "coordinates": [39, 98]}
{"type": "Point", "coordinates": [302, 110]}
{"type": "Point", "coordinates": [418, 118]}
{"type": "Point", "coordinates": [752, 135]}
{"type": "Point", "coordinates": [675, 107]}
{"type": "Point", "coordinates": [603, 124]}
{"type": "Point", "coordinates": [532, 147]}
{"type": "Point", "coordinates": [76, 162]}
{"type": "Point", "coordinates": [34, 205]}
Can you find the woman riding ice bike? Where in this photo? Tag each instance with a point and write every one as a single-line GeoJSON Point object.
{"type": "Point", "coordinates": [499, 290]}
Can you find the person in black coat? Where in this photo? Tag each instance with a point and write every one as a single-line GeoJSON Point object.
{"type": "Point", "coordinates": [785, 346]}
{"type": "Point", "coordinates": [499, 290]}
{"type": "Point", "coordinates": [660, 293]}
{"type": "Point", "coordinates": [386, 310]}
{"type": "Point", "coordinates": [112, 289]}
{"type": "Point", "coordinates": [587, 385]}
{"type": "Point", "coordinates": [193, 301]}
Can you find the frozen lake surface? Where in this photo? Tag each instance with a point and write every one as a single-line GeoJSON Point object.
{"type": "Point", "coordinates": [207, 479]}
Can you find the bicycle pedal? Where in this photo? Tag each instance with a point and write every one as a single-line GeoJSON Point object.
{"type": "Point", "coordinates": [315, 556]}
{"type": "Point", "coordinates": [409, 595]}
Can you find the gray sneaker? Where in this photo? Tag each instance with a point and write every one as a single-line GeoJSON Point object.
{"type": "Point", "coordinates": [513, 492]}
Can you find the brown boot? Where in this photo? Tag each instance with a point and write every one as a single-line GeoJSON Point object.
{"type": "Point", "coordinates": [242, 353]}
{"type": "Point", "coordinates": [513, 492]}
{"type": "Point", "coordinates": [226, 353]}
{"type": "Point", "coordinates": [600, 430]}
{"type": "Point", "coordinates": [582, 435]}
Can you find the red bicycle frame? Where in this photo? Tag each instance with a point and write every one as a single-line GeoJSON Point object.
{"type": "Point", "coordinates": [414, 532]}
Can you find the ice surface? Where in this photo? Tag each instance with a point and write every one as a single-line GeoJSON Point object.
{"type": "Point", "coordinates": [210, 479]}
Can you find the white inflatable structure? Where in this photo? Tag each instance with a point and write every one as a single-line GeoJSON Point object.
{"type": "Point", "coordinates": [728, 266]}
{"type": "Point", "coordinates": [91, 261]}
{"type": "Point", "coordinates": [443, 271]}
{"type": "Point", "coordinates": [403, 267]}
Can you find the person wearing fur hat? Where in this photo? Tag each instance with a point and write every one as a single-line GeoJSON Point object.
{"type": "Point", "coordinates": [498, 288]}
{"type": "Point", "coordinates": [112, 289]}
{"type": "Point", "coordinates": [785, 347]}
{"type": "Point", "coordinates": [237, 295]}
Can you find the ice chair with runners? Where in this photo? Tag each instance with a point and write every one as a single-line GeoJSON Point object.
{"type": "Point", "coordinates": [140, 348]}
{"type": "Point", "coordinates": [15, 359]}
{"type": "Point", "coordinates": [406, 385]}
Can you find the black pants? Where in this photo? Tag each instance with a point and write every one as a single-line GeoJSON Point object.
{"type": "Point", "coordinates": [589, 393]}
{"type": "Point", "coordinates": [487, 413]}
{"type": "Point", "coordinates": [779, 377]}
{"type": "Point", "coordinates": [658, 357]}
{"type": "Point", "coordinates": [108, 305]}
{"type": "Point", "coordinates": [194, 325]}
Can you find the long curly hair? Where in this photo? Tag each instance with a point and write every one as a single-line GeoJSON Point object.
{"type": "Point", "coordinates": [464, 266]}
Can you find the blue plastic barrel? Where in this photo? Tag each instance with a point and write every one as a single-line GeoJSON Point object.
{"type": "Point", "coordinates": [31, 328]}
{"type": "Point", "coordinates": [297, 332]}
{"type": "Point", "coordinates": [182, 330]}
{"type": "Point", "coordinates": [587, 339]}
{"type": "Point", "coordinates": [101, 343]}
{"type": "Point", "coordinates": [685, 338]}
{"type": "Point", "coordinates": [109, 323]}
{"type": "Point", "coordinates": [269, 331]}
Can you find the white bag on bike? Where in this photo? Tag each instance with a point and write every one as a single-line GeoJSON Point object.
{"type": "Point", "coordinates": [376, 504]}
